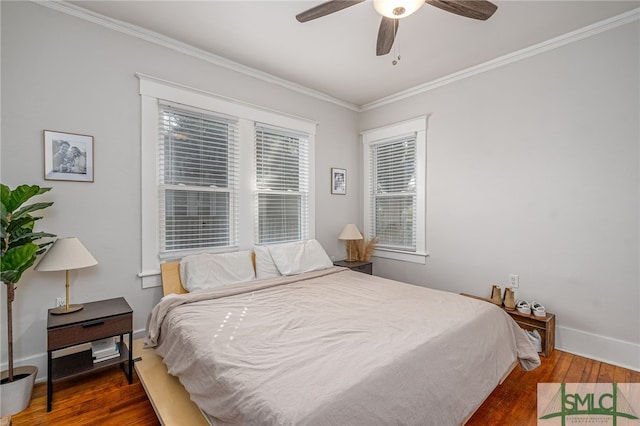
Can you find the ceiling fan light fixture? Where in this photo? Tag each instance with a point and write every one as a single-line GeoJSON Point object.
{"type": "Point", "coordinates": [396, 9]}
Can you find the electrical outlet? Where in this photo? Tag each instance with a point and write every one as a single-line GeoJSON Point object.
{"type": "Point", "coordinates": [60, 301]}
{"type": "Point", "coordinates": [514, 281]}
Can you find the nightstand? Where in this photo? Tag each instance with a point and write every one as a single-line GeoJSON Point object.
{"type": "Point", "coordinates": [97, 320]}
{"type": "Point", "coordinates": [356, 265]}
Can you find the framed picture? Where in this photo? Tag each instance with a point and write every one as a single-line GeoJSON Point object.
{"type": "Point", "coordinates": [68, 156]}
{"type": "Point", "coordinates": [338, 181]}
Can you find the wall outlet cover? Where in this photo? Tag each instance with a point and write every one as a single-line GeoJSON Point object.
{"type": "Point", "coordinates": [514, 281]}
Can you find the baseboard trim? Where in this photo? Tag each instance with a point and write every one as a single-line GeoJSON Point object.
{"type": "Point", "coordinates": [600, 348]}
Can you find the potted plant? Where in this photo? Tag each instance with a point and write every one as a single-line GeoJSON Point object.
{"type": "Point", "coordinates": [19, 252]}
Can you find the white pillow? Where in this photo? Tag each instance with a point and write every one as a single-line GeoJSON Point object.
{"type": "Point", "coordinates": [208, 270]}
{"type": "Point", "coordinates": [300, 256]}
{"type": "Point", "coordinates": [265, 268]}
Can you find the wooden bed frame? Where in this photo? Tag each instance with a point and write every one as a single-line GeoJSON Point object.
{"type": "Point", "coordinates": [170, 400]}
{"type": "Point", "coordinates": [171, 283]}
{"type": "Point", "coordinates": [168, 397]}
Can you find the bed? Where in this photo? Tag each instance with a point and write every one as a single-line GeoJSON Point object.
{"type": "Point", "coordinates": [332, 346]}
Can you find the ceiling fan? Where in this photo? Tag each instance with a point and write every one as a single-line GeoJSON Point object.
{"type": "Point", "coordinates": [393, 10]}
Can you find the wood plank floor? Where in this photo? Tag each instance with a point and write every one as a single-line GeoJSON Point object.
{"type": "Point", "coordinates": [107, 399]}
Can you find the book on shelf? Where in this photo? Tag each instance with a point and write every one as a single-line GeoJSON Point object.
{"type": "Point", "coordinates": [106, 357]}
{"type": "Point", "coordinates": [104, 347]}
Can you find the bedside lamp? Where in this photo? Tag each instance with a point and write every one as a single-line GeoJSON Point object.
{"type": "Point", "coordinates": [350, 232]}
{"type": "Point", "coordinates": [66, 254]}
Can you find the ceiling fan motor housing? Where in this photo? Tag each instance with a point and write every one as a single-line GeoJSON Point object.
{"type": "Point", "coordinates": [397, 9]}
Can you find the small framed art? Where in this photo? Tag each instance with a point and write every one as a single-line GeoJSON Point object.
{"type": "Point", "coordinates": [68, 156]}
{"type": "Point", "coordinates": [338, 181]}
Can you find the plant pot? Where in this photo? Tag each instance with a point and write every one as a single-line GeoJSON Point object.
{"type": "Point", "coordinates": [16, 395]}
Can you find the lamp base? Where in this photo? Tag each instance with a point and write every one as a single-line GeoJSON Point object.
{"type": "Point", "coordinates": [63, 309]}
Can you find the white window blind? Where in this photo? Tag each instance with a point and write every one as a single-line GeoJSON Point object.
{"type": "Point", "coordinates": [282, 185]}
{"type": "Point", "coordinates": [393, 180]}
{"type": "Point", "coordinates": [198, 178]}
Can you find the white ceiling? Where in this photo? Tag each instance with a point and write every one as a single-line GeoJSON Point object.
{"type": "Point", "coordinates": [335, 54]}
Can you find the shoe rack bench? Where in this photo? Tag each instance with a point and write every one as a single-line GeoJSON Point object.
{"type": "Point", "coordinates": [545, 325]}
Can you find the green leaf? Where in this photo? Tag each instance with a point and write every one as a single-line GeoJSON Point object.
{"type": "Point", "coordinates": [5, 194]}
{"type": "Point", "coordinates": [30, 208]}
{"type": "Point", "coordinates": [42, 247]}
{"type": "Point", "coordinates": [9, 276]}
{"type": "Point", "coordinates": [17, 260]}
{"type": "Point", "coordinates": [12, 200]}
{"type": "Point", "coordinates": [25, 222]}
{"type": "Point", "coordinates": [3, 213]}
{"type": "Point", "coordinates": [28, 237]}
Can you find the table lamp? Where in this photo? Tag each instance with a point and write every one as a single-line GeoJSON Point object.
{"type": "Point", "coordinates": [350, 232]}
{"type": "Point", "coordinates": [63, 255]}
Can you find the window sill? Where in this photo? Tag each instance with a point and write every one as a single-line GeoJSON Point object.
{"type": "Point", "coordinates": [150, 279]}
{"type": "Point", "coordinates": [403, 256]}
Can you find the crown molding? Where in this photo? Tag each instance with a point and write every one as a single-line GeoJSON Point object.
{"type": "Point", "coordinates": [536, 49]}
{"type": "Point", "coordinates": [170, 43]}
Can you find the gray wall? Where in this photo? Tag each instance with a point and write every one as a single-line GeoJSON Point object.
{"type": "Point", "coordinates": [66, 74]}
{"type": "Point", "coordinates": [533, 169]}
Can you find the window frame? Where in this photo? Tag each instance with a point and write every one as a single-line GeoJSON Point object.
{"type": "Point", "coordinates": [418, 127]}
{"type": "Point", "coordinates": [153, 89]}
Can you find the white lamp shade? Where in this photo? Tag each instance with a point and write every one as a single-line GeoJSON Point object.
{"type": "Point", "coordinates": [65, 254]}
{"type": "Point", "coordinates": [397, 9]}
{"type": "Point", "coordinates": [350, 232]}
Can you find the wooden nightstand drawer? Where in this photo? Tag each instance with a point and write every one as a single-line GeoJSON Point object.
{"type": "Point", "coordinates": [89, 330]}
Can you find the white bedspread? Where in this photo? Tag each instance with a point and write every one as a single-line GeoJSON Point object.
{"type": "Point", "coordinates": [336, 347]}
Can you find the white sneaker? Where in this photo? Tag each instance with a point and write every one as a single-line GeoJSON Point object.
{"type": "Point", "coordinates": [536, 339]}
{"type": "Point", "coordinates": [523, 307]}
{"type": "Point", "coordinates": [538, 309]}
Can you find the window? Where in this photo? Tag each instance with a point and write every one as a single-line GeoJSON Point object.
{"type": "Point", "coordinates": [197, 175]}
{"type": "Point", "coordinates": [219, 175]}
{"type": "Point", "coordinates": [395, 195]}
{"type": "Point", "coordinates": [393, 165]}
{"type": "Point", "coordinates": [282, 185]}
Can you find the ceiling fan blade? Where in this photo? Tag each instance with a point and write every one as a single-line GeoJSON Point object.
{"type": "Point", "coordinates": [386, 35]}
{"type": "Point", "coordinates": [325, 9]}
{"type": "Point", "coordinates": [476, 9]}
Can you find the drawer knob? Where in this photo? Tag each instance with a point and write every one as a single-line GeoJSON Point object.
{"type": "Point", "coordinates": [92, 323]}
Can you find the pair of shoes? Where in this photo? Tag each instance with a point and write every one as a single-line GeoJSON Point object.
{"type": "Point", "coordinates": [527, 308]}
{"type": "Point", "coordinates": [496, 295]}
{"type": "Point", "coordinates": [509, 301]}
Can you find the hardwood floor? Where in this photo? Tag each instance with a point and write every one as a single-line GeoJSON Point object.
{"type": "Point", "coordinates": [107, 399]}
{"type": "Point", "coordinates": [514, 401]}
{"type": "Point", "coordinates": [104, 398]}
